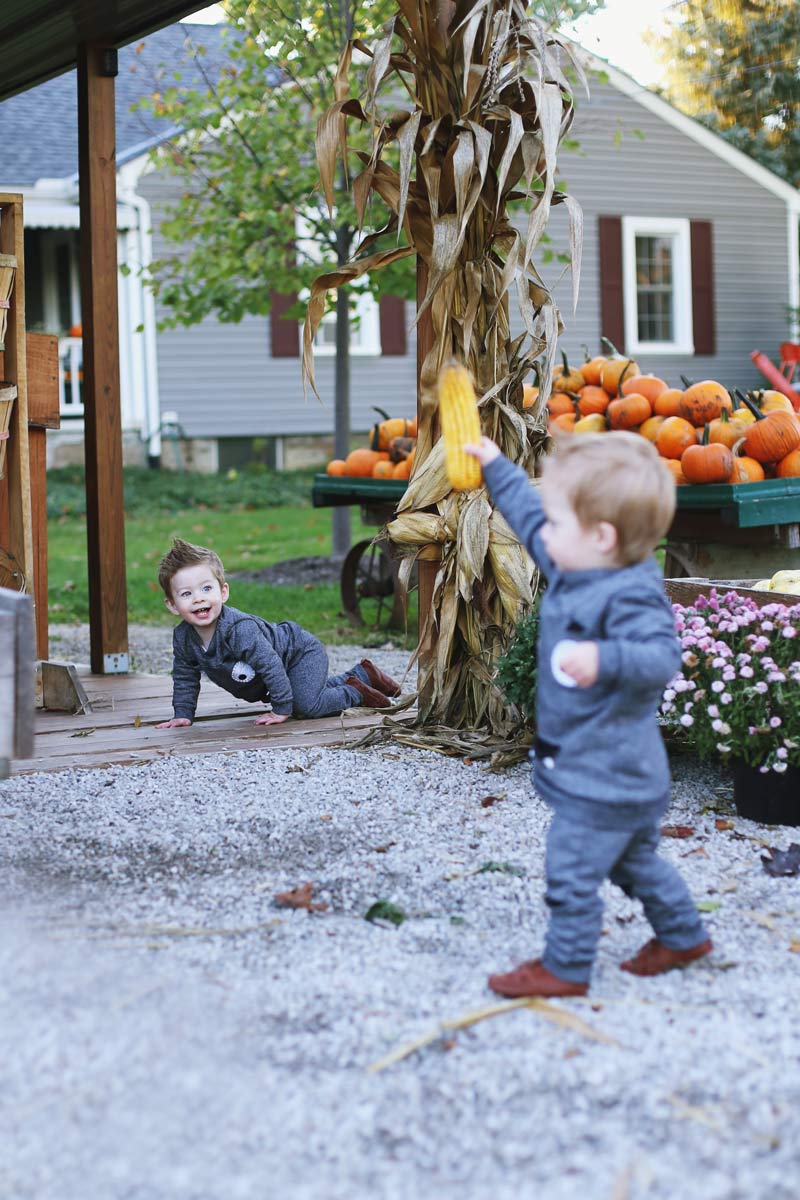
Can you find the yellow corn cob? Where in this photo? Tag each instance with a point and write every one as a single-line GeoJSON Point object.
{"type": "Point", "coordinates": [458, 414]}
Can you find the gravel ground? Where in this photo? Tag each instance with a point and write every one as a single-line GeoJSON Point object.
{"type": "Point", "coordinates": [168, 1033]}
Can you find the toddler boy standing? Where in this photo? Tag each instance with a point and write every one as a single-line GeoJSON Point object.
{"type": "Point", "coordinates": [607, 649]}
{"type": "Point", "coordinates": [282, 664]}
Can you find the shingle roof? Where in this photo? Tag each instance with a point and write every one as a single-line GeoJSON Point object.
{"type": "Point", "coordinates": [39, 128]}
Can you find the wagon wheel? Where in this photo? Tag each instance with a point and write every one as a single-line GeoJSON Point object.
{"type": "Point", "coordinates": [370, 592]}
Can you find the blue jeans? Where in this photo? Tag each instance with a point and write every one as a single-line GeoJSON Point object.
{"type": "Point", "coordinates": [579, 858]}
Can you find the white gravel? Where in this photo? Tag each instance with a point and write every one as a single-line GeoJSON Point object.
{"type": "Point", "coordinates": [168, 1033]}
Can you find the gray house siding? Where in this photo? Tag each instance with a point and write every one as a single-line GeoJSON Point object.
{"type": "Point", "coordinates": [222, 380]}
{"type": "Point", "coordinates": [666, 174]}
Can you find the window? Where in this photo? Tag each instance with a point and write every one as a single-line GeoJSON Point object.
{"type": "Point", "coordinates": [657, 285]}
{"type": "Point", "coordinates": [365, 326]}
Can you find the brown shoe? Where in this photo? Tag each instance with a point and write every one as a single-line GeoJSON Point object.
{"type": "Point", "coordinates": [654, 957]}
{"type": "Point", "coordinates": [372, 697]}
{"type": "Point", "coordinates": [379, 679]}
{"type": "Point", "coordinates": [532, 979]}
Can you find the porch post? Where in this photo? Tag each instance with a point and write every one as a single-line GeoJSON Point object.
{"type": "Point", "coordinates": [105, 515]}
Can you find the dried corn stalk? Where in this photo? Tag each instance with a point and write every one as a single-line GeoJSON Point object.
{"type": "Point", "coordinates": [488, 104]}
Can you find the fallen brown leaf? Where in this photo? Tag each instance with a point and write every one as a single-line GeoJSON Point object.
{"type": "Point", "coordinates": [488, 801]}
{"type": "Point", "coordinates": [300, 897]}
{"type": "Point", "coordinates": [677, 831]}
{"type": "Point", "coordinates": [722, 824]}
{"type": "Point", "coordinates": [697, 850]}
{"type": "Point", "coordinates": [794, 945]}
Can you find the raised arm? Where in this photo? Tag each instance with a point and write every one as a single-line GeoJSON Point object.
{"type": "Point", "coordinates": [519, 502]}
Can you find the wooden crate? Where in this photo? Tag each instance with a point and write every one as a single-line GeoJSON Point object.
{"type": "Point", "coordinates": [686, 591]}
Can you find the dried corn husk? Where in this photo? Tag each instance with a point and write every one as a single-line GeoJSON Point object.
{"type": "Point", "coordinates": [488, 106]}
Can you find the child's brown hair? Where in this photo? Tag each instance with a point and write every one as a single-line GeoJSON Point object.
{"type": "Point", "coordinates": [619, 478]}
{"type": "Point", "coordinates": [185, 554]}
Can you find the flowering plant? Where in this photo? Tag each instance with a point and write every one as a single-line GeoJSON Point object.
{"type": "Point", "coordinates": [738, 692]}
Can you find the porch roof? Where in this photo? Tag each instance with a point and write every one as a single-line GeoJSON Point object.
{"type": "Point", "coordinates": [40, 38]}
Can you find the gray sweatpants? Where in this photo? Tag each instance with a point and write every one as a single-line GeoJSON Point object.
{"type": "Point", "coordinates": [314, 692]}
{"type": "Point", "coordinates": [579, 858]}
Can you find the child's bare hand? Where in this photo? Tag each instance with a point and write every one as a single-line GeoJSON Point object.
{"type": "Point", "coordinates": [175, 723]}
{"type": "Point", "coordinates": [582, 663]}
{"type": "Point", "coordinates": [272, 718]}
{"type": "Point", "coordinates": [485, 451]}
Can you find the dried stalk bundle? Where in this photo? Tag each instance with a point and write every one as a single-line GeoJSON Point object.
{"type": "Point", "coordinates": [489, 105]}
{"type": "Point", "coordinates": [8, 269]}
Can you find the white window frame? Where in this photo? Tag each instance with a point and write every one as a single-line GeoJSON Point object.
{"type": "Point", "coordinates": [677, 228]}
{"type": "Point", "coordinates": [364, 308]}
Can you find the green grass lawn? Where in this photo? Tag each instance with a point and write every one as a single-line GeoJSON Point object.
{"type": "Point", "coordinates": [246, 538]}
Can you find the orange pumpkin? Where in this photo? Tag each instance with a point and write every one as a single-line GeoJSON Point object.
{"type": "Point", "coordinates": [592, 369]}
{"type": "Point", "coordinates": [530, 395]}
{"type": "Point", "coordinates": [615, 371]}
{"type": "Point", "coordinates": [561, 402]}
{"type": "Point", "coordinates": [703, 402]}
{"type": "Point", "coordinates": [402, 470]}
{"type": "Point", "coordinates": [361, 463]}
{"type": "Point", "coordinates": [568, 380]}
{"type": "Point", "coordinates": [668, 404]}
{"type": "Point", "coordinates": [592, 399]}
{"type": "Point", "coordinates": [649, 428]}
{"type": "Point", "coordinates": [675, 436]}
{"type": "Point", "coordinates": [628, 412]}
{"type": "Point", "coordinates": [383, 469]}
{"type": "Point", "coordinates": [337, 466]}
{"type": "Point", "coordinates": [563, 423]}
{"type": "Point", "coordinates": [382, 433]}
{"type": "Point", "coordinates": [412, 427]}
{"type": "Point", "coordinates": [649, 386]}
{"type": "Point", "coordinates": [708, 462]}
{"type": "Point", "coordinates": [674, 466]}
{"type": "Point", "coordinates": [789, 467]}
{"type": "Point", "coordinates": [726, 430]}
{"type": "Point", "coordinates": [772, 435]}
{"type": "Point", "coordinates": [746, 470]}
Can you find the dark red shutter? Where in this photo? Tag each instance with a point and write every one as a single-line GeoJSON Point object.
{"type": "Point", "coordinates": [393, 325]}
{"type": "Point", "coordinates": [285, 334]}
{"type": "Point", "coordinates": [703, 321]}
{"type": "Point", "coordinates": [612, 307]}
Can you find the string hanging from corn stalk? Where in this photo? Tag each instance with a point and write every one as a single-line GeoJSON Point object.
{"type": "Point", "coordinates": [487, 104]}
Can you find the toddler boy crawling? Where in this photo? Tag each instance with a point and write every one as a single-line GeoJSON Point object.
{"type": "Point", "coordinates": [278, 663]}
{"type": "Point", "coordinates": [607, 649]}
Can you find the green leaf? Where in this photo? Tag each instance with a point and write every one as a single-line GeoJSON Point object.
{"type": "Point", "coordinates": [500, 868]}
{"type": "Point", "coordinates": [708, 906]}
{"type": "Point", "coordinates": [384, 910]}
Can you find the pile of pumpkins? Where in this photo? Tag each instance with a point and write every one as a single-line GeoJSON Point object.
{"type": "Point", "coordinates": [703, 436]}
{"type": "Point", "coordinates": [390, 454]}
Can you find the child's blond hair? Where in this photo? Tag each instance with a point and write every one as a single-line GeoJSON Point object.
{"type": "Point", "coordinates": [619, 478]}
{"type": "Point", "coordinates": [185, 554]}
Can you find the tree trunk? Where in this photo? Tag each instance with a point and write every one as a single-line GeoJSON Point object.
{"type": "Point", "coordinates": [341, 515]}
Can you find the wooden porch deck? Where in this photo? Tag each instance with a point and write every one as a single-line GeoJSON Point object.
{"type": "Point", "coordinates": [121, 727]}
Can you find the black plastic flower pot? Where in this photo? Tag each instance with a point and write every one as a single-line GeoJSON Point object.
{"type": "Point", "coordinates": [771, 798]}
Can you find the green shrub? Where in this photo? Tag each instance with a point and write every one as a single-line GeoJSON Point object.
{"type": "Point", "coordinates": [516, 672]}
{"type": "Point", "coordinates": [148, 492]}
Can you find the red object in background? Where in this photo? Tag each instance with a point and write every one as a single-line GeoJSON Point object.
{"type": "Point", "coordinates": [781, 377]}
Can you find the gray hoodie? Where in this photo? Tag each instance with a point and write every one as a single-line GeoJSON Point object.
{"type": "Point", "coordinates": [247, 656]}
{"type": "Point", "coordinates": [599, 750]}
